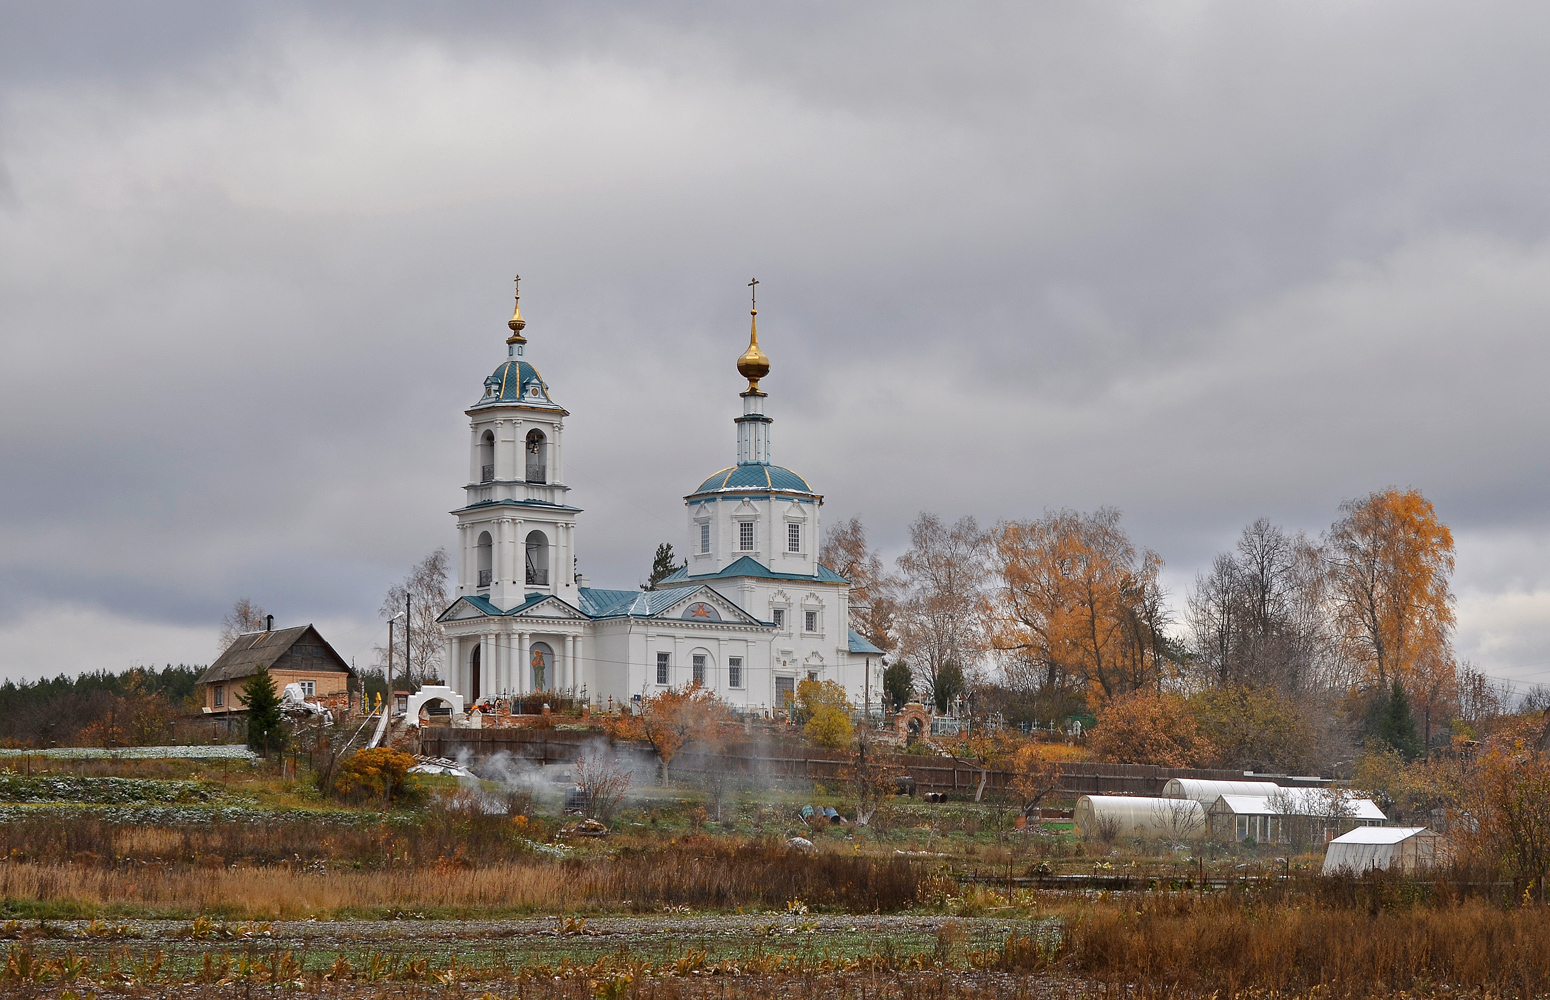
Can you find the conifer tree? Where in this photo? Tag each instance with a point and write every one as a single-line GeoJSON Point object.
{"type": "Point", "coordinates": [898, 684]}
{"type": "Point", "coordinates": [663, 565]}
{"type": "Point", "coordinates": [1396, 726]}
{"type": "Point", "coordinates": [266, 726]}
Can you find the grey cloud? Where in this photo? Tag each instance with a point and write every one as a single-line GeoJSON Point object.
{"type": "Point", "coordinates": [1203, 261]}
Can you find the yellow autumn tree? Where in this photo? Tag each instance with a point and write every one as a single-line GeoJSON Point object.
{"type": "Point", "coordinates": [1390, 559]}
{"type": "Point", "coordinates": [1078, 604]}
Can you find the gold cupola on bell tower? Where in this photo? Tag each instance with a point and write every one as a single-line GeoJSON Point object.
{"type": "Point", "coordinates": [754, 363]}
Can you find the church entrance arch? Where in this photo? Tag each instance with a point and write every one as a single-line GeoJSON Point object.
{"type": "Point", "coordinates": [473, 673]}
{"type": "Point", "coordinates": [542, 661]}
{"type": "Point", "coordinates": [435, 700]}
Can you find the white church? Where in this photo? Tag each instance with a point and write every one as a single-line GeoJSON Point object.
{"type": "Point", "coordinates": [751, 615]}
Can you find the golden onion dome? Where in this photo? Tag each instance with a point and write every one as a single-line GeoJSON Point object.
{"type": "Point", "coordinates": [754, 364]}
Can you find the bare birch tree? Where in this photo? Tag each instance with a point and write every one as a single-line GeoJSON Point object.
{"type": "Point", "coordinates": [941, 609]}
{"type": "Point", "coordinates": [426, 586]}
{"type": "Point", "coordinates": [244, 617]}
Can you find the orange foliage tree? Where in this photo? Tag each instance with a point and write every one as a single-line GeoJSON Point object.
{"type": "Point", "coordinates": [675, 720]}
{"type": "Point", "coordinates": [871, 601]}
{"type": "Point", "coordinates": [1035, 774]}
{"type": "Point", "coordinates": [1149, 728]}
{"type": "Point", "coordinates": [1080, 605]}
{"type": "Point", "coordinates": [1507, 796]}
{"type": "Point", "coordinates": [1390, 558]}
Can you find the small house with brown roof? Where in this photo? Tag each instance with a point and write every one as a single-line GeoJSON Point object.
{"type": "Point", "coordinates": [297, 655]}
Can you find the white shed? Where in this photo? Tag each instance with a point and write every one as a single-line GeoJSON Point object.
{"type": "Point", "coordinates": [1109, 816]}
{"type": "Point", "coordinates": [1206, 791]}
{"type": "Point", "coordinates": [1396, 848]}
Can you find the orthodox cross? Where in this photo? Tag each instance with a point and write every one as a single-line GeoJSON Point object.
{"type": "Point", "coordinates": [518, 281]}
{"type": "Point", "coordinates": [753, 294]}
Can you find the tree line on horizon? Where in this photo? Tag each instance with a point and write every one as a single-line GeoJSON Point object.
{"type": "Point", "coordinates": [1293, 650]}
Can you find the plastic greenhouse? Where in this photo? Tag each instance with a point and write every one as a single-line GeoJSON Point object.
{"type": "Point", "coordinates": [1106, 817]}
{"type": "Point", "coordinates": [1392, 848]}
{"type": "Point", "coordinates": [1206, 791]}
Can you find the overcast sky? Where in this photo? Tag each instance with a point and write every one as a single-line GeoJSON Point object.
{"type": "Point", "coordinates": [1201, 261]}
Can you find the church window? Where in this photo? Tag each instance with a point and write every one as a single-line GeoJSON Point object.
{"type": "Point", "coordinates": [793, 537]}
{"type": "Point", "coordinates": [699, 668]}
{"type": "Point", "coordinates": [811, 621]}
{"type": "Point", "coordinates": [705, 536]}
{"type": "Point", "coordinates": [745, 536]}
{"type": "Point", "coordinates": [662, 664]}
{"type": "Point", "coordinates": [735, 671]}
{"type": "Point", "coordinates": [537, 454]}
{"type": "Point", "coordinates": [487, 458]}
{"type": "Point", "coordinates": [778, 616]}
{"type": "Point", "coordinates": [537, 559]}
{"type": "Point", "coordinates": [485, 552]}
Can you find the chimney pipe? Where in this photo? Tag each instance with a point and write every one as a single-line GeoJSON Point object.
{"type": "Point", "coordinates": [269, 623]}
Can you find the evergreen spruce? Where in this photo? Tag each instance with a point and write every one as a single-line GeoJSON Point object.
{"type": "Point", "coordinates": [266, 726]}
{"type": "Point", "coordinates": [949, 684]}
{"type": "Point", "coordinates": [664, 565]}
{"type": "Point", "coordinates": [1396, 726]}
{"type": "Point", "coordinates": [898, 684]}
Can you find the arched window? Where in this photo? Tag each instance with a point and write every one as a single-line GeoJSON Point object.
{"type": "Point", "coordinates": [537, 457]}
{"type": "Point", "coordinates": [542, 658]}
{"type": "Point", "coordinates": [486, 552]}
{"type": "Point", "coordinates": [473, 674]}
{"type": "Point", "coordinates": [537, 559]}
{"type": "Point", "coordinates": [487, 457]}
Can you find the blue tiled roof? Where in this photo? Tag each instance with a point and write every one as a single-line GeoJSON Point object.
{"type": "Point", "coordinates": [748, 566]}
{"type": "Point", "coordinates": [859, 644]}
{"type": "Point", "coordinates": [607, 603]}
{"type": "Point", "coordinates": [755, 477]}
{"type": "Point", "coordinates": [514, 382]}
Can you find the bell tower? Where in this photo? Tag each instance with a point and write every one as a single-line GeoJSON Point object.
{"type": "Point", "coordinates": [516, 534]}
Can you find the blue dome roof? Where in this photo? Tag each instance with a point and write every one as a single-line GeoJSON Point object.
{"type": "Point", "coordinates": [515, 382]}
{"type": "Point", "coordinates": [755, 477]}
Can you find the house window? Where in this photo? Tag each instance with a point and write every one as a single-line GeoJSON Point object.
{"type": "Point", "coordinates": [810, 621]}
{"type": "Point", "coordinates": [778, 616]}
{"type": "Point", "coordinates": [745, 536]}
{"type": "Point", "coordinates": [309, 688]}
{"type": "Point", "coordinates": [793, 537]}
{"type": "Point", "coordinates": [705, 536]}
{"type": "Point", "coordinates": [734, 671]}
{"type": "Point", "coordinates": [699, 668]}
{"type": "Point", "coordinates": [662, 668]}
{"type": "Point", "coordinates": [220, 695]}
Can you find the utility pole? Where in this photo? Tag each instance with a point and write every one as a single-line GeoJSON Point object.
{"type": "Point", "coordinates": [390, 669]}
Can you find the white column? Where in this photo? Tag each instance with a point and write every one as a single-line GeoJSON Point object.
{"type": "Point", "coordinates": [570, 662]}
{"type": "Point", "coordinates": [580, 678]}
{"type": "Point", "coordinates": [521, 686]}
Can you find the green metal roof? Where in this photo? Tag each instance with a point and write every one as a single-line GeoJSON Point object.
{"type": "Point", "coordinates": [747, 566]}
{"type": "Point", "coordinates": [755, 477]}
